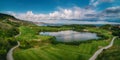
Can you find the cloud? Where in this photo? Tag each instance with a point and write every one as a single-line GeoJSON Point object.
{"type": "Point", "coordinates": [74, 13]}
{"type": "Point", "coordinates": [97, 2]}
{"type": "Point", "coordinates": [71, 13]}
{"type": "Point", "coordinates": [75, 22]}
{"type": "Point", "coordinates": [111, 12]}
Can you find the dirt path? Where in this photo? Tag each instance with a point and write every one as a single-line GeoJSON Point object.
{"type": "Point", "coordinates": [10, 52]}
{"type": "Point", "coordinates": [100, 50]}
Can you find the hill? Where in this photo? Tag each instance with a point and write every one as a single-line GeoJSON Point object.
{"type": "Point", "coordinates": [34, 46]}
{"type": "Point", "coordinates": [8, 29]}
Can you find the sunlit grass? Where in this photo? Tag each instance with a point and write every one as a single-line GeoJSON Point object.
{"type": "Point", "coordinates": [60, 51]}
{"type": "Point", "coordinates": [49, 51]}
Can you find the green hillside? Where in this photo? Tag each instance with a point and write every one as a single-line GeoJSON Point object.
{"type": "Point", "coordinates": [8, 29]}
{"type": "Point", "coordinates": [40, 47]}
{"type": "Point", "coordinates": [112, 53]}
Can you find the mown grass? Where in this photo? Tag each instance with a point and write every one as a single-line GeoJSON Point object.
{"type": "Point", "coordinates": [104, 32]}
{"type": "Point", "coordinates": [26, 33]}
{"type": "Point", "coordinates": [60, 52]}
{"type": "Point", "coordinates": [38, 50]}
{"type": "Point", "coordinates": [29, 37]}
{"type": "Point", "coordinates": [29, 33]}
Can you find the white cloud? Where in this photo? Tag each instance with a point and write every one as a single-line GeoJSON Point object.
{"type": "Point", "coordinates": [72, 13]}
{"type": "Point", "coordinates": [64, 15]}
{"type": "Point", "coordinates": [97, 2]}
{"type": "Point", "coordinates": [113, 8]}
{"type": "Point", "coordinates": [111, 12]}
{"type": "Point", "coordinates": [76, 22]}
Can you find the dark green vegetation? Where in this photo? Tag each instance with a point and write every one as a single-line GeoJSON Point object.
{"type": "Point", "coordinates": [38, 47]}
{"type": "Point", "coordinates": [8, 29]}
{"type": "Point", "coordinates": [112, 53]}
{"type": "Point", "coordinates": [116, 30]}
{"type": "Point", "coordinates": [7, 32]}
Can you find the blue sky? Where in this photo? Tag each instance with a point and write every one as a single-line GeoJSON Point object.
{"type": "Point", "coordinates": [36, 10]}
{"type": "Point", "coordinates": [46, 6]}
{"type": "Point", "coordinates": [41, 6]}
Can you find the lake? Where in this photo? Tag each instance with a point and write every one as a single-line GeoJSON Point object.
{"type": "Point", "coordinates": [70, 36]}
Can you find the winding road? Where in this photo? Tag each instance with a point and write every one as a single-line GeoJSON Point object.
{"type": "Point", "coordinates": [10, 52]}
{"type": "Point", "coordinates": [9, 55]}
{"type": "Point", "coordinates": [100, 50]}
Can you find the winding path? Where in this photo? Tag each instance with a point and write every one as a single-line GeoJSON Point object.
{"type": "Point", "coordinates": [10, 52]}
{"type": "Point", "coordinates": [100, 50]}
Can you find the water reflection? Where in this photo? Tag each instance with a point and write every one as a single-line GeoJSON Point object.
{"type": "Point", "coordinates": [69, 35]}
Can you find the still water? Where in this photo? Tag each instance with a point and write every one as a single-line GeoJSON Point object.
{"type": "Point", "coordinates": [70, 36]}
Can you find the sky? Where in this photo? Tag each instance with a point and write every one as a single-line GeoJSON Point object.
{"type": "Point", "coordinates": [47, 10]}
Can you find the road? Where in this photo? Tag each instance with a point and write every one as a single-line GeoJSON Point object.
{"type": "Point", "coordinates": [10, 52]}
{"type": "Point", "coordinates": [101, 49]}
{"type": "Point", "coordinates": [9, 55]}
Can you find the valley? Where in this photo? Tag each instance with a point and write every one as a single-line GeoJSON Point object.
{"type": "Point", "coordinates": [34, 46]}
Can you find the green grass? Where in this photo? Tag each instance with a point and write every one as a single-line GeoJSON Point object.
{"type": "Point", "coordinates": [30, 37]}
{"type": "Point", "coordinates": [60, 52]}
{"type": "Point", "coordinates": [99, 30]}
{"type": "Point", "coordinates": [26, 33]}
{"type": "Point", "coordinates": [32, 32]}
{"type": "Point", "coordinates": [8, 30]}
{"type": "Point", "coordinates": [112, 53]}
{"type": "Point", "coordinates": [38, 47]}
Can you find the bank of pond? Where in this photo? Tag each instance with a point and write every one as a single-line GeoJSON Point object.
{"type": "Point", "coordinates": [41, 43]}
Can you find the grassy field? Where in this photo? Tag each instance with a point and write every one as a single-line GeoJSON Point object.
{"type": "Point", "coordinates": [60, 51]}
{"type": "Point", "coordinates": [104, 32]}
{"type": "Point", "coordinates": [37, 47]}
{"type": "Point", "coordinates": [112, 53]}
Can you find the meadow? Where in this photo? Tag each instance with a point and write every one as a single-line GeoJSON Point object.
{"type": "Point", "coordinates": [37, 47]}
{"type": "Point", "coordinates": [40, 47]}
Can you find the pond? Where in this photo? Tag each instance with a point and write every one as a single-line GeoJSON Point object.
{"type": "Point", "coordinates": [70, 36]}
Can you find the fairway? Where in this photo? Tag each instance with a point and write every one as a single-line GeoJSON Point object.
{"type": "Point", "coordinates": [60, 52]}
{"type": "Point", "coordinates": [39, 47]}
